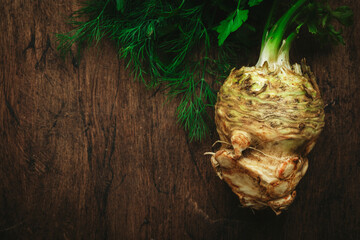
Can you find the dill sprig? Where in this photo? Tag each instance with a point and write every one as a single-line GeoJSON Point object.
{"type": "Point", "coordinates": [167, 44]}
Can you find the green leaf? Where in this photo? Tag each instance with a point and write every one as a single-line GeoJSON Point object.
{"type": "Point", "coordinates": [344, 15]}
{"type": "Point", "coordinates": [120, 5]}
{"type": "Point", "coordinates": [312, 28]}
{"type": "Point", "coordinates": [336, 34]}
{"type": "Point", "coordinates": [324, 21]}
{"type": "Point", "coordinates": [252, 3]}
{"type": "Point", "coordinates": [232, 23]}
{"type": "Point", "coordinates": [240, 18]}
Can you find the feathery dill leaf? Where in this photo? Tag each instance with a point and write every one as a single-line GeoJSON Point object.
{"type": "Point", "coordinates": [164, 43]}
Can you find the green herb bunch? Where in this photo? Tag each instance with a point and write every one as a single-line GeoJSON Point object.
{"type": "Point", "coordinates": [167, 44]}
{"type": "Point", "coordinates": [184, 48]}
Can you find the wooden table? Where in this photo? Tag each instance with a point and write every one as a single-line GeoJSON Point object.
{"type": "Point", "coordinates": [88, 153]}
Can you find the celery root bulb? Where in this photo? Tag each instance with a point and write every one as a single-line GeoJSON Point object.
{"type": "Point", "coordinates": [268, 121]}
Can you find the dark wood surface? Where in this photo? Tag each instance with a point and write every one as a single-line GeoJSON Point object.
{"type": "Point", "coordinates": [88, 153]}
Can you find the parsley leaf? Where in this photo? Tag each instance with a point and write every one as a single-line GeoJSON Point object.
{"type": "Point", "coordinates": [232, 23]}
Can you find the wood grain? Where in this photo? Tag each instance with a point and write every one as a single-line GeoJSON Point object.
{"type": "Point", "coordinates": [88, 153]}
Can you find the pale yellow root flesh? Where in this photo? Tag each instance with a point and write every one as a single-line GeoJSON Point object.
{"type": "Point", "coordinates": [258, 180]}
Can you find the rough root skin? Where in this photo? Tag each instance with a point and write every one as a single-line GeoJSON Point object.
{"type": "Point", "coordinates": [268, 122]}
